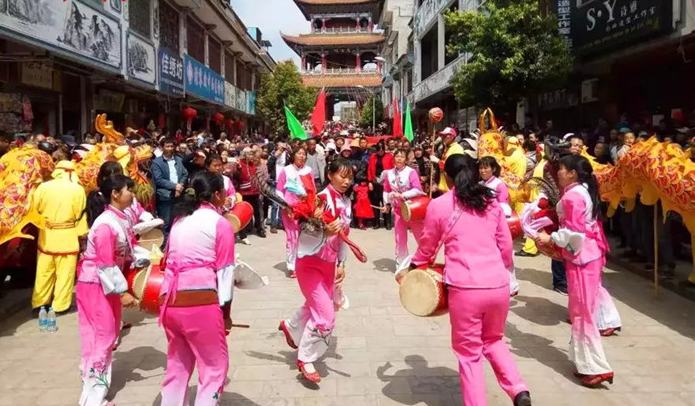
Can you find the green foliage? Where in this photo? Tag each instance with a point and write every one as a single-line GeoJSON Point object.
{"type": "Point", "coordinates": [515, 52]}
{"type": "Point", "coordinates": [366, 113]}
{"type": "Point", "coordinates": [284, 87]}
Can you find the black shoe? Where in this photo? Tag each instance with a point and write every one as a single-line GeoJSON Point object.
{"type": "Point", "coordinates": [261, 234]}
{"type": "Point", "coordinates": [388, 227]}
{"type": "Point", "coordinates": [376, 226]}
{"type": "Point", "coordinates": [524, 254]}
{"type": "Point", "coordinates": [522, 399]}
{"type": "Point", "coordinates": [561, 290]}
{"type": "Point", "coordinates": [273, 230]}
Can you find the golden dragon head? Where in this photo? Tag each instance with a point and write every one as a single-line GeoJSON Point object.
{"type": "Point", "coordinates": [111, 136]}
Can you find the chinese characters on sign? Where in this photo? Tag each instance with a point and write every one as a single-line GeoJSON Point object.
{"type": "Point", "coordinates": [605, 24]}
{"type": "Point", "coordinates": [170, 72]}
{"type": "Point", "coordinates": [564, 23]}
{"type": "Point", "coordinates": [203, 82]}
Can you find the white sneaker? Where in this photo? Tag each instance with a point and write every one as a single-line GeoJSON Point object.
{"type": "Point", "coordinates": [246, 241]}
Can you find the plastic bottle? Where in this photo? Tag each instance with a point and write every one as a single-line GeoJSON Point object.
{"type": "Point", "coordinates": [52, 322]}
{"type": "Point", "coordinates": [43, 319]}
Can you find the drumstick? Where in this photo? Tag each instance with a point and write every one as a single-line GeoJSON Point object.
{"type": "Point", "coordinates": [377, 207]}
{"type": "Point", "coordinates": [241, 325]}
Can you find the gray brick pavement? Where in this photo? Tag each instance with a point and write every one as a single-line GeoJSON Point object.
{"type": "Point", "coordinates": [381, 355]}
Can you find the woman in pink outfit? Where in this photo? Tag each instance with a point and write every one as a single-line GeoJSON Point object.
{"type": "Point", "coordinates": [584, 248]}
{"type": "Point", "coordinates": [297, 173]}
{"type": "Point", "coordinates": [101, 285]}
{"type": "Point", "coordinates": [320, 265]}
{"type": "Point", "coordinates": [135, 212]}
{"type": "Point", "coordinates": [198, 280]}
{"type": "Point", "coordinates": [469, 223]}
{"type": "Point", "coordinates": [213, 163]}
{"type": "Point", "coordinates": [400, 184]}
{"type": "Point", "coordinates": [489, 171]}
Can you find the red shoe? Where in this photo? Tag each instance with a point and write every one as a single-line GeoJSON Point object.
{"type": "Point", "coordinates": [593, 381]}
{"type": "Point", "coordinates": [126, 326]}
{"type": "Point", "coordinates": [516, 292]}
{"type": "Point", "coordinates": [293, 274]}
{"type": "Point", "coordinates": [288, 337]}
{"type": "Point", "coordinates": [311, 377]}
{"type": "Point", "coordinates": [609, 331]}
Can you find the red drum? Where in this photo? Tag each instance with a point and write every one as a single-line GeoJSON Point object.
{"type": "Point", "coordinates": [514, 224]}
{"type": "Point", "coordinates": [240, 216]}
{"type": "Point", "coordinates": [551, 250]}
{"type": "Point", "coordinates": [415, 208]}
{"type": "Point", "coordinates": [422, 291]}
{"type": "Point", "coordinates": [145, 285]}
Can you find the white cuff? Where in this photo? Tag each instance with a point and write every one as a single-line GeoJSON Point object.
{"type": "Point", "coordinates": [571, 241]}
{"type": "Point", "coordinates": [146, 216]}
{"type": "Point", "coordinates": [112, 280]}
{"type": "Point", "coordinates": [506, 209]}
{"type": "Point", "coordinates": [225, 284]}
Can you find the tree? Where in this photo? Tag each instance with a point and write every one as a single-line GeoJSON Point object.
{"type": "Point", "coordinates": [515, 52]}
{"type": "Point", "coordinates": [366, 118]}
{"type": "Point", "coordinates": [284, 87]}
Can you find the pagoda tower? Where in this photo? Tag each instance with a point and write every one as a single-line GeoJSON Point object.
{"type": "Point", "coordinates": [341, 52]}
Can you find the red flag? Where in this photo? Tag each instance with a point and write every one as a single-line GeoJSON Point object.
{"type": "Point", "coordinates": [318, 117]}
{"type": "Point", "coordinates": [397, 123]}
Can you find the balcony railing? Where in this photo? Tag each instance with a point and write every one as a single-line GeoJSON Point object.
{"type": "Point", "coordinates": [339, 30]}
{"type": "Point", "coordinates": [340, 71]}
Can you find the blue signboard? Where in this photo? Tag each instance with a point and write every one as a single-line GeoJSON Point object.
{"type": "Point", "coordinates": [252, 104]}
{"type": "Point", "coordinates": [203, 82]}
{"type": "Point", "coordinates": [170, 68]}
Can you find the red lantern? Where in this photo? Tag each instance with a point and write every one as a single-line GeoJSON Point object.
{"type": "Point", "coordinates": [218, 118]}
{"type": "Point", "coordinates": [240, 125]}
{"type": "Point", "coordinates": [436, 114]}
{"type": "Point", "coordinates": [229, 124]}
{"type": "Point", "coordinates": [189, 114]}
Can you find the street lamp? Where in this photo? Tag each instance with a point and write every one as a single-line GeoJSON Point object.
{"type": "Point", "coordinates": [373, 104]}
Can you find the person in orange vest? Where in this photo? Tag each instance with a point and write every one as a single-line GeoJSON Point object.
{"type": "Point", "coordinates": [451, 148]}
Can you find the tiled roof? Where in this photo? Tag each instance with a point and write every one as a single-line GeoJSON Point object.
{"type": "Point", "coordinates": [334, 39]}
{"type": "Point", "coordinates": [343, 80]}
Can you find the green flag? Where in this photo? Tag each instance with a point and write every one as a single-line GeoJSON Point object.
{"type": "Point", "coordinates": [408, 124]}
{"type": "Point", "coordinates": [296, 129]}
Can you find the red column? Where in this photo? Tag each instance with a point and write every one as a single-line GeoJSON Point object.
{"type": "Point", "coordinates": [303, 68]}
{"type": "Point", "coordinates": [378, 66]}
{"type": "Point", "coordinates": [357, 24]}
{"type": "Point", "coordinates": [323, 63]}
{"type": "Point", "coordinates": [358, 63]}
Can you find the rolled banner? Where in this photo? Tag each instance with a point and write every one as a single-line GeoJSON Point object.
{"type": "Point", "coordinates": [246, 277]}
{"type": "Point", "coordinates": [531, 225]}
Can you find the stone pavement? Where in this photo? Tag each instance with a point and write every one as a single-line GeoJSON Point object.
{"type": "Point", "coordinates": [380, 355]}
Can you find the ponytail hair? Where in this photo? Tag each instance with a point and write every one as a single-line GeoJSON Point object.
{"type": "Point", "coordinates": [108, 169]}
{"type": "Point", "coordinates": [585, 175]}
{"type": "Point", "coordinates": [470, 193]}
{"type": "Point", "coordinates": [203, 187]}
{"type": "Point", "coordinates": [100, 198]}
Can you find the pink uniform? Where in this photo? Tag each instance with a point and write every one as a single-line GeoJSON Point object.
{"type": "Point", "coordinates": [311, 326]}
{"type": "Point", "coordinates": [292, 173]}
{"type": "Point", "coordinates": [229, 193]}
{"type": "Point", "coordinates": [584, 248]}
{"type": "Point", "coordinates": [406, 182]}
{"type": "Point", "coordinates": [478, 254]}
{"type": "Point", "coordinates": [200, 257]}
{"type": "Point", "coordinates": [108, 252]}
{"type": "Point", "coordinates": [502, 196]}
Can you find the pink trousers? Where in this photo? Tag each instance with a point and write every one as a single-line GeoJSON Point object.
{"type": "Point", "coordinates": [195, 336]}
{"type": "Point", "coordinates": [583, 286]}
{"type": "Point", "coordinates": [291, 240]}
{"type": "Point", "coordinates": [99, 318]}
{"type": "Point", "coordinates": [311, 326]}
{"type": "Point", "coordinates": [401, 233]}
{"type": "Point", "coordinates": [477, 329]}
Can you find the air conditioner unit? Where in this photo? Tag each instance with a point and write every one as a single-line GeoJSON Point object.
{"type": "Point", "coordinates": [590, 90]}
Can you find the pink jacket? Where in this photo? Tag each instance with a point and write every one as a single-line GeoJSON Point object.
{"type": "Point", "coordinates": [292, 173]}
{"type": "Point", "coordinates": [477, 249]}
{"type": "Point", "coordinates": [200, 247]}
{"type": "Point", "coordinates": [501, 193]}
{"type": "Point", "coordinates": [329, 249]}
{"type": "Point", "coordinates": [580, 235]}
{"type": "Point", "coordinates": [405, 181]}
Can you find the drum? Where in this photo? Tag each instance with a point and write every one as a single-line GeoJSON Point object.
{"type": "Point", "coordinates": [152, 238]}
{"type": "Point", "coordinates": [514, 224]}
{"type": "Point", "coordinates": [240, 216]}
{"type": "Point", "coordinates": [415, 208]}
{"type": "Point", "coordinates": [145, 285]}
{"type": "Point", "coordinates": [422, 291]}
{"type": "Point", "coordinates": [551, 250]}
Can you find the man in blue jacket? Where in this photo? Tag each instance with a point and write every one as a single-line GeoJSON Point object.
{"type": "Point", "coordinates": [169, 177]}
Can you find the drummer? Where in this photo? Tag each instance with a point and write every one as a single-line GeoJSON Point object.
{"type": "Point", "coordinates": [490, 171]}
{"type": "Point", "coordinates": [402, 183]}
{"type": "Point", "coordinates": [101, 285]}
{"type": "Point", "coordinates": [469, 223]}
{"type": "Point", "coordinates": [213, 163]}
{"type": "Point", "coordinates": [198, 279]}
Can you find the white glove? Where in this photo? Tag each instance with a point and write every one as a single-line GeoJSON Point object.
{"type": "Point", "coordinates": [434, 159]}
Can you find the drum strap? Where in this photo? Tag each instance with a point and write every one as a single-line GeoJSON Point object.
{"type": "Point", "coordinates": [453, 219]}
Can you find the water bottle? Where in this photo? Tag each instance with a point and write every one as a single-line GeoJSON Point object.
{"type": "Point", "coordinates": [43, 319]}
{"type": "Point", "coordinates": [52, 322]}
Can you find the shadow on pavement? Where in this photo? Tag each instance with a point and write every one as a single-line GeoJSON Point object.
{"type": "Point", "coordinates": [227, 399]}
{"type": "Point", "coordinates": [551, 357]}
{"type": "Point", "coordinates": [424, 383]}
{"type": "Point", "coordinates": [540, 310]}
{"type": "Point", "coordinates": [150, 358]}
{"type": "Point", "coordinates": [384, 265]}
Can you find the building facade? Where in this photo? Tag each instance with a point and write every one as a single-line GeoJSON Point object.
{"type": "Point", "coordinates": [341, 51]}
{"type": "Point", "coordinates": [140, 62]}
{"type": "Point", "coordinates": [397, 52]}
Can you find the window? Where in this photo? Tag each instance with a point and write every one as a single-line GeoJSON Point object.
{"type": "Point", "coordinates": [214, 55]}
{"type": "Point", "coordinates": [229, 68]}
{"type": "Point", "coordinates": [140, 17]}
{"type": "Point", "coordinates": [196, 40]}
{"type": "Point", "coordinates": [168, 27]}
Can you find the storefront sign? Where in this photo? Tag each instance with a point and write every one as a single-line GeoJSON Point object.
{"type": "Point", "coordinates": [229, 94]}
{"type": "Point", "coordinates": [37, 74]}
{"type": "Point", "coordinates": [241, 96]}
{"type": "Point", "coordinates": [70, 26]}
{"type": "Point", "coordinates": [557, 99]}
{"type": "Point", "coordinates": [564, 21]}
{"type": "Point", "coordinates": [141, 59]}
{"type": "Point", "coordinates": [109, 101]}
{"type": "Point", "coordinates": [170, 68]}
{"type": "Point", "coordinates": [203, 82]}
{"type": "Point", "coordinates": [251, 103]}
{"type": "Point", "coordinates": [603, 25]}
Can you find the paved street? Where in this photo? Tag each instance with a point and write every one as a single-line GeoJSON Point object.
{"type": "Point", "coordinates": [380, 355]}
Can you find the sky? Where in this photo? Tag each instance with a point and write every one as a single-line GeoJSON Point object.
{"type": "Point", "coordinates": [273, 17]}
